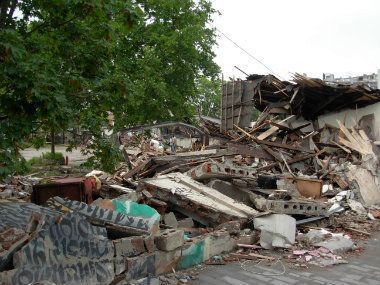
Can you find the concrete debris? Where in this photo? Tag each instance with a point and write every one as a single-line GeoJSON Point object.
{"type": "Point", "coordinates": [186, 223]}
{"type": "Point", "coordinates": [334, 243]}
{"type": "Point", "coordinates": [328, 262]}
{"type": "Point", "coordinates": [337, 244]}
{"type": "Point", "coordinates": [210, 170]}
{"type": "Point", "coordinates": [106, 216]}
{"type": "Point", "coordinates": [231, 190]}
{"type": "Point", "coordinates": [277, 230]}
{"type": "Point", "coordinates": [367, 183]}
{"type": "Point", "coordinates": [170, 220]}
{"type": "Point", "coordinates": [357, 207]}
{"type": "Point", "coordinates": [203, 204]}
{"type": "Point", "coordinates": [315, 236]}
{"type": "Point", "coordinates": [169, 240]}
{"type": "Point", "coordinates": [290, 207]}
{"type": "Point", "coordinates": [231, 184]}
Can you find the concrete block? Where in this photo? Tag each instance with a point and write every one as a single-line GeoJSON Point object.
{"type": "Point", "coordinates": [186, 223]}
{"type": "Point", "coordinates": [209, 170]}
{"type": "Point", "coordinates": [277, 230]}
{"type": "Point", "coordinates": [149, 243]}
{"type": "Point", "coordinates": [202, 248]}
{"type": "Point", "coordinates": [170, 220]}
{"type": "Point", "coordinates": [192, 253]}
{"type": "Point", "coordinates": [218, 242]}
{"type": "Point", "coordinates": [120, 264]}
{"type": "Point", "coordinates": [167, 260]}
{"type": "Point", "coordinates": [129, 246]}
{"type": "Point", "coordinates": [292, 207]}
{"type": "Point", "coordinates": [169, 239]}
{"type": "Point", "coordinates": [140, 266]}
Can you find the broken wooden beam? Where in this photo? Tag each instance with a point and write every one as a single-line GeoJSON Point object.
{"type": "Point", "coordinates": [252, 256]}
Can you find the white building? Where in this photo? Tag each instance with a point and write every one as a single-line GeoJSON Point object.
{"type": "Point", "coordinates": [371, 80]}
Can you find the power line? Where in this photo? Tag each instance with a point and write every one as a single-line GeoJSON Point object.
{"type": "Point", "coordinates": [249, 54]}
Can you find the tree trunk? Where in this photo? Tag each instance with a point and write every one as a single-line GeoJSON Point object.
{"type": "Point", "coordinates": [52, 134]}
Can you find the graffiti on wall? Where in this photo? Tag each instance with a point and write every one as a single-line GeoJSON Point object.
{"type": "Point", "coordinates": [113, 217]}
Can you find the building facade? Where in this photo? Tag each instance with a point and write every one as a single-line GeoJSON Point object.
{"type": "Point", "coordinates": [371, 80]}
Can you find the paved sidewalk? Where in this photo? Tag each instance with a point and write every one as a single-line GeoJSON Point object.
{"type": "Point", "coordinates": [363, 269]}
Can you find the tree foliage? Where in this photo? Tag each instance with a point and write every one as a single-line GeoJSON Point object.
{"type": "Point", "coordinates": [65, 63]}
{"type": "Point", "coordinates": [167, 53]}
{"type": "Point", "coordinates": [208, 96]}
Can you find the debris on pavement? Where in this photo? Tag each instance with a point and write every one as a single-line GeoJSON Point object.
{"type": "Point", "coordinates": [282, 189]}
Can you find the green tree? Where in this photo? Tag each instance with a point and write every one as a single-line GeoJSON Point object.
{"type": "Point", "coordinates": [169, 51]}
{"type": "Point", "coordinates": [66, 63]}
{"type": "Point", "coordinates": [56, 67]}
{"type": "Point", "coordinates": [209, 96]}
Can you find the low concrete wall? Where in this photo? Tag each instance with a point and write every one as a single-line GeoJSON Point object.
{"type": "Point", "coordinates": [349, 116]}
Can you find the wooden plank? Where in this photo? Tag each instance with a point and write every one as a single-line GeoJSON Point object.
{"type": "Point", "coordinates": [340, 146]}
{"type": "Point", "coordinates": [251, 132]}
{"type": "Point", "coordinates": [137, 169]}
{"type": "Point", "coordinates": [272, 153]}
{"type": "Point", "coordinates": [293, 160]}
{"type": "Point", "coordinates": [250, 246]}
{"type": "Point", "coordinates": [273, 129]}
{"type": "Point", "coordinates": [348, 144]}
{"type": "Point", "coordinates": [286, 146]}
{"type": "Point", "coordinates": [363, 134]}
{"type": "Point", "coordinates": [247, 150]}
{"type": "Point", "coordinates": [252, 256]}
{"type": "Point", "coordinates": [274, 144]}
{"type": "Point", "coordinates": [347, 133]}
{"type": "Point", "coordinates": [278, 110]}
{"type": "Point", "coordinates": [358, 138]}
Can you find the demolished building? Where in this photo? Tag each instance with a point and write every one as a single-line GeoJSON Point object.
{"type": "Point", "coordinates": [262, 186]}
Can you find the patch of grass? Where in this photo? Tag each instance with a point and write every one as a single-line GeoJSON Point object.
{"type": "Point", "coordinates": [47, 158]}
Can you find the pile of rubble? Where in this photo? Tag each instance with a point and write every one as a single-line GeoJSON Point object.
{"type": "Point", "coordinates": [17, 187]}
{"type": "Point", "coordinates": [279, 190]}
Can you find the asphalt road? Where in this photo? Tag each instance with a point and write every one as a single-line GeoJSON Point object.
{"type": "Point", "coordinates": [362, 269]}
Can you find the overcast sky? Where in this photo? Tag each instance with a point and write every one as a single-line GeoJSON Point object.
{"type": "Point", "coordinates": [304, 36]}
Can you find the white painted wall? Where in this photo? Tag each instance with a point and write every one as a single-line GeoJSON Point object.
{"type": "Point", "coordinates": [349, 116]}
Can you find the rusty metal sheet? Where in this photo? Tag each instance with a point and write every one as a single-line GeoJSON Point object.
{"type": "Point", "coordinates": [73, 190]}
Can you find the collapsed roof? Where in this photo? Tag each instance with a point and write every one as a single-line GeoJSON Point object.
{"type": "Point", "coordinates": [308, 97]}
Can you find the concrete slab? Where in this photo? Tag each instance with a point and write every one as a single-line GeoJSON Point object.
{"type": "Point", "coordinates": [337, 244]}
{"type": "Point", "coordinates": [200, 202]}
{"type": "Point", "coordinates": [277, 230]}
